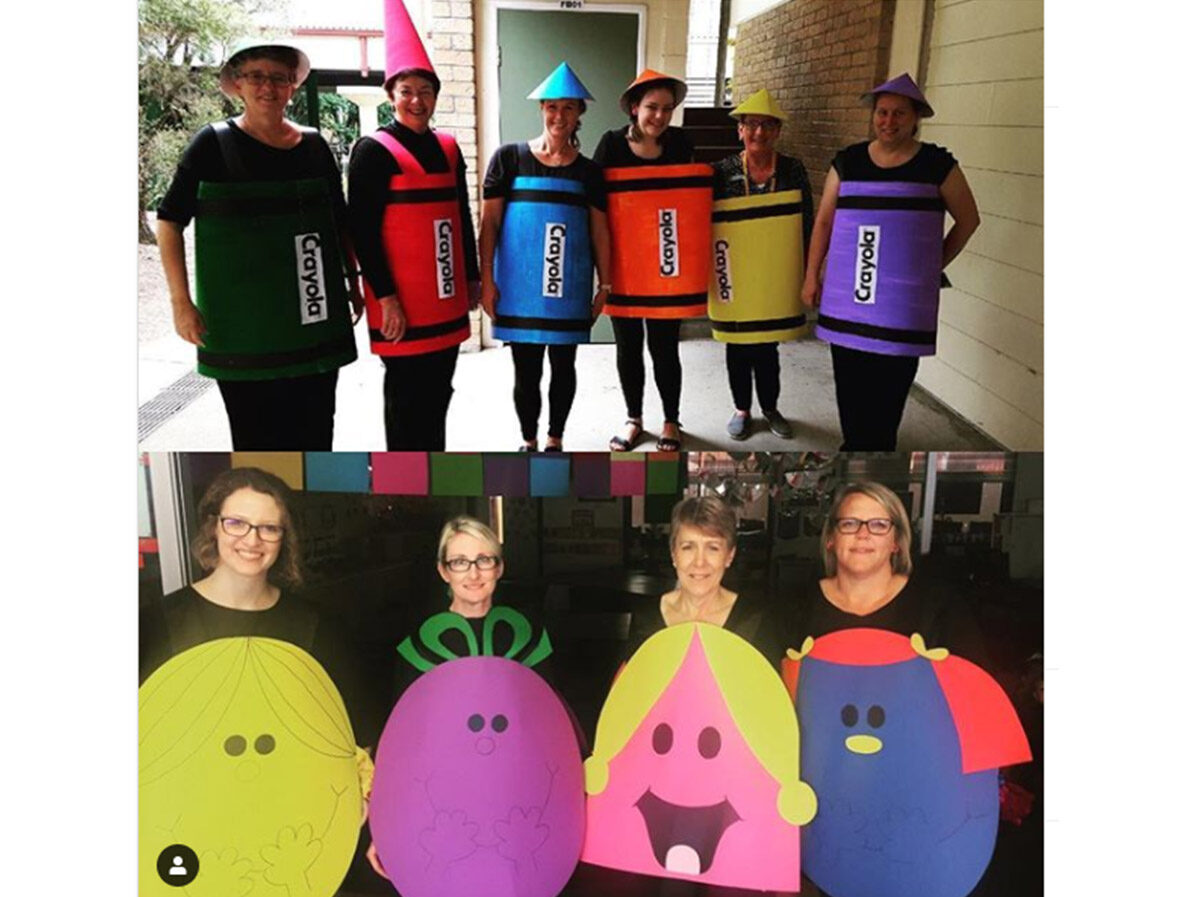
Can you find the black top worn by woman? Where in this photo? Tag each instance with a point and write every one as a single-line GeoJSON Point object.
{"type": "Point", "coordinates": [613, 150]}
{"type": "Point", "coordinates": [930, 165]}
{"type": "Point", "coordinates": [730, 181]}
{"type": "Point", "coordinates": [751, 617]}
{"type": "Point", "coordinates": [517, 160]}
{"type": "Point", "coordinates": [204, 161]}
{"type": "Point", "coordinates": [372, 166]}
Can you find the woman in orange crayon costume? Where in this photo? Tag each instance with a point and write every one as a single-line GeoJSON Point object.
{"type": "Point", "coordinates": [703, 542]}
{"type": "Point", "coordinates": [649, 139]}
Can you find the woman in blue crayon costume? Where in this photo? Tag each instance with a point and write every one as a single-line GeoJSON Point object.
{"type": "Point", "coordinates": [880, 221]}
{"type": "Point", "coordinates": [544, 227]}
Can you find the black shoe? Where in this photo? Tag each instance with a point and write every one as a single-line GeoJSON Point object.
{"type": "Point", "coordinates": [778, 424]}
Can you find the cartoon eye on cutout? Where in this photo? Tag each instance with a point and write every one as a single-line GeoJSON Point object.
{"type": "Point", "coordinates": [499, 722]}
{"type": "Point", "coordinates": [849, 715]}
{"type": "Point", "coordinates": [663, 738]}
{"type": "Point", "coordinates": [235, 745]}
{"type": "Point", "coordinates": [709, 742]}
{"type": "Point", "coordinates": [875, 716]}
{"type": "Point", "coordinates": [475, 722]}
{"type": "Point", "coordinates": [264, 743]}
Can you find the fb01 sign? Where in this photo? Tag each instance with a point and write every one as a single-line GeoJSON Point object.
{"type": "Point", "coordinates": [443, 235]}
{"type": "Point", "coordinates": [866, 264]}
{"type": "Point", "coordinates": [310, 278]}
{"type": "Point", "coordinates": [553, 248]}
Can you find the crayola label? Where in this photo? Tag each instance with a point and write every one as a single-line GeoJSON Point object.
{"type": "Point", "coordinates": [668, 242]}
{"type": "Point", "coordinates": [866, 264]}
{"type": "Point", "coordinates": [443, 231]}
{"type": "Point", "coordinates": [552, 259]}
{"type": "Point", "coordinates": [310, 278]}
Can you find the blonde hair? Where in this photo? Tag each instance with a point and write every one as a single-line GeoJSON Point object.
{"type": "Point", "coordinates": [752, 692]}
{"type": "Point", "coordinates": [172, 729]}
{"type": "Point", "coordinates": [468, 526]}
{"type": "Point", "coordinates": [902, 557]}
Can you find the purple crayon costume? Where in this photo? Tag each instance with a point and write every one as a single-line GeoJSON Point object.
{"type": "Point", "coordinates": [879, 301]}
{"type": "Point", "coordinates": [885, 254]}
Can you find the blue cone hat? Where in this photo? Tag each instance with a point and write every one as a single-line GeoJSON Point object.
{"type": "Point", "coordinates": [561, 84]}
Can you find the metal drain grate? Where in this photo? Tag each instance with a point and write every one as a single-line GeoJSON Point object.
{"type": "Point", "coordinates": [170, 402]}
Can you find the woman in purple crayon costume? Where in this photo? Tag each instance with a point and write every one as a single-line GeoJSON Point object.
{"type": "Point", "coordinates": [880, 222]}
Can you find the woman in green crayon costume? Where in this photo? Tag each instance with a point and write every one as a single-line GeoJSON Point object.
{"type": "Point", "coordinates": [272, 318]}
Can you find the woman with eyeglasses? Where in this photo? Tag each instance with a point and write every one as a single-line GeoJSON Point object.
{"type": "Point", "coordinates": [870, 580]}
{"type": "Point", "coordinates": [275, 303]}
{"type": "Point", "coordinates": [247, 544]}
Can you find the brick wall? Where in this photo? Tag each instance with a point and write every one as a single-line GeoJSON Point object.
{"type": "Point", "coordinates": [816, 57]}
{"type": "Point", "coordinates": [453, 50]}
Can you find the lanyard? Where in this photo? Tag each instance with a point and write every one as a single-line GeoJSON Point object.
{"type": "Point", "coordinates": [774, 172]}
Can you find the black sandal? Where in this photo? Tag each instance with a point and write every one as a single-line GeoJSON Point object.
{"type": "Point", "coordinates": [669, 443]}
{"type": "Point", "coordinates": [621, 444]}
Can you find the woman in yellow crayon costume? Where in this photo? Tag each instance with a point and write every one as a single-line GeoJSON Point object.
{"type": "Point", "coordinates": [246, 757]}
{"type": "Point", "coordinates": [762, 217]}
{"type": "Point", "coordinates": [696, 770]}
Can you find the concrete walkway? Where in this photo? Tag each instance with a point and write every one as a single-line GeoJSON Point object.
{"type": "Point", "coordinates": [482, 417]}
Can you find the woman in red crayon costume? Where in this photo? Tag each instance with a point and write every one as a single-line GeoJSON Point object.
{"type": "Point", "coordinates": [411, 220]}
{"type": "Point", "coordinates": [649, 139]}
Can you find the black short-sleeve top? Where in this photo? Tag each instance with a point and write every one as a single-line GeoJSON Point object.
{"type": "Point", "coordinates": [931, 165]}
{"type": "Point", "coordinates": [613, 150]}
{"type": "Point", "coordinates": [517, 160]}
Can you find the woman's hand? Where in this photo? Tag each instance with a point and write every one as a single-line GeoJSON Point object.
{"type": "Point", "coordinates": [394, 323]}
{"type": "Point", "coordinates": [356, 299]}
{"type": "Point", "coordinates": [473, 290]}
{"type": "Point", "coordinates": [598, 301]}
{"type": "Point", "coordinates": [189, 323]}
{"type": "Point", "coordinates": [810, 293]}
{"type": "Point", "coordinates": [373, 859]}
{"type": "Point", "coordinates": [489, 295]}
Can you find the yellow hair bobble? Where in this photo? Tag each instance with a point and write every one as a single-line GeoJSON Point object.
{"type": "Point", "coordinates": [595, 774]}
{"type": "Point", "coordinates": [918, 645]}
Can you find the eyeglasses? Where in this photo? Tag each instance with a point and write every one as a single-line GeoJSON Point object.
{"type": "Point", "coordinates": [876, 526]}
{"type": "Point", "coordinates": [258, 79]}
{"type": "Point", "coordinates": [462, 565]}
{"type": "Point", "coordinates": [237, 527]}
{"type": "Point", "coordinates": [759, 124]}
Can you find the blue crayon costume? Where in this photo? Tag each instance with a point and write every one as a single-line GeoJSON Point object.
{"type": "Point", "coordinates": [543, 262]}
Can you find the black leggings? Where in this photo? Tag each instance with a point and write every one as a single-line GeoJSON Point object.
{"type": "Point", "coordinates": [663, 339]}
{"type": "Point", "coordinates": [416, 399]}
{"type": "Point", "coordinates": [760, 360]}
{"type": "Point", "coordinates": [527, 386]}
{"type": "Point", "coordinates": [871, 392]}
{"type": "Point", "coordinates": [289, 414]}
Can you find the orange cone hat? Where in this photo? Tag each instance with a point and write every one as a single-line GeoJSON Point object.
{"type": "Point", "coordinates": [403, 46]}
{"type": "Point", "coordinates": [658, 79]}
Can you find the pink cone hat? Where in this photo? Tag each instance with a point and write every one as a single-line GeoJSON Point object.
{"type": "Point", "coordinates": [904, 86]}
{"type": "Point", "coordinates": [402, 44]}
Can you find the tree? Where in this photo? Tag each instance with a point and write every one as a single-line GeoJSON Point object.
{"type": "Point", "coordinates": [180, 43]}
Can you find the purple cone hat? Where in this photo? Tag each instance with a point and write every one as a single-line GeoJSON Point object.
{"type": "Point", "coordinates": [905, 87]}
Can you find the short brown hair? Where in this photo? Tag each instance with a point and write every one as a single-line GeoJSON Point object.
{"type": "Point", "coordinates": [708, 514]}
{"type": "Point", "coordinates": [286, 571]}
{"type": "Point", "coordinates": [902, 557]}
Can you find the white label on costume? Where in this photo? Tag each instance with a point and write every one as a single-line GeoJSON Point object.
{"type": "Point", "coordinates": [310, 278]}
{"type": "Point", "coordinates": [553, 247]}
{"type": "Point", "coordinates": [721, 269]}
{"type": "Point", "coordinates": [443, 236]}
{"type": "Point", "coordinates": [866, 264]}
{"type": "Point", "coordinates": [668, 243]}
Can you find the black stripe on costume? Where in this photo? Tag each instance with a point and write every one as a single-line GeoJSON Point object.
{"type": "Point", "coordinates": [424, 332]}
{"type": "Point", "coordinates": [559, 197]}
{"type": "Point", "coordinates": [240, 361]}
{"type": "Point", "coordinates": [261, 205]}
{"type": "Point", "coordinates": [658, 301]}
{"type": "Point", "coordinates": [874, 331]}
{"type": "Point", "coordinates": [776, 211]}
{"type": "Point", "coordinates": [658, 184]}
{"type": "Point", "coordinates": [560, 324]}
{"type": "Point", "coordinates": [893, 203]}
{"type": "Point", "coordinates": [759, 326]}
{"type": "Point", "coordinates": [434, 194]}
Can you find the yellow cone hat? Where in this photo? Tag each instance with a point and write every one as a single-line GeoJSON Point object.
{"type": "Point", "coordinates": [759, 103]}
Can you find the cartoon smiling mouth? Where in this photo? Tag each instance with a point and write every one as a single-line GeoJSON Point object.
{"type": "Point", "coordinates": [684, 839]}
